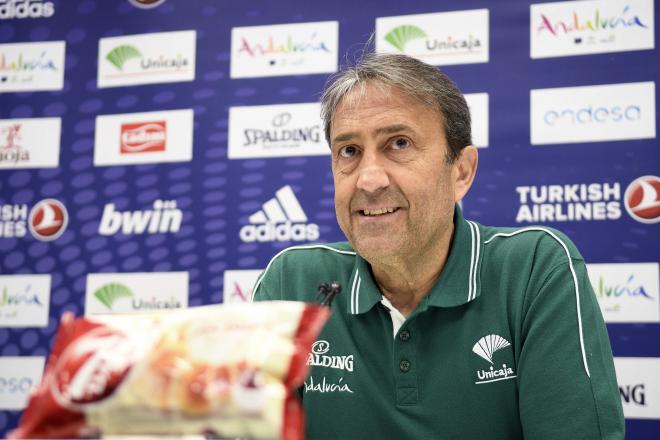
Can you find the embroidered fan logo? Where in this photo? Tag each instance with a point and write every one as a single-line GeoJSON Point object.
{"type": "Point", "coordinates": [485, 348]}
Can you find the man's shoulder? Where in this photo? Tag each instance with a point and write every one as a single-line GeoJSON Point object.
{"type": "Point", "coordinates": [528, 240]}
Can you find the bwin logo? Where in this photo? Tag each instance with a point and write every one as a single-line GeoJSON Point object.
{"type": "Point", "coordinates": [164, 218]}
{"type": "Point", "coordinates": [280, 219]}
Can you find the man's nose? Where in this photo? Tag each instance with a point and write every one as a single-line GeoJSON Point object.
{"type": "Point", "coordinates": [372, 175]}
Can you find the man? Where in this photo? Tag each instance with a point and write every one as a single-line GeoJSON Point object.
{"type": "Point", "coordinates": [446, 329]}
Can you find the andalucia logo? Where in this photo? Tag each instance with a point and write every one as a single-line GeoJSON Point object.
{"type": "Point", "coordinates": [485, 348]}
{"type": "Point", "coordinates": [120, 54]}
{"type": "Point", "coordinates": [109, 293]}
{"type": "Point", "coordinates": [400, 36]}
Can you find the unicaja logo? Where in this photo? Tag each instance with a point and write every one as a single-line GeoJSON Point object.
{"type": "Point", "coordinates": [121, 54]}
{"type": "Point", "coordinates": [485, 348]}
{"type": "Point", "coordinates": [642, 199]}
{"type": "Point", "coordinates": [280, 219]}
{"type": "Point", "coordinates": [400, 36]}
{"type": "Point", "coordinates": [109, 293]}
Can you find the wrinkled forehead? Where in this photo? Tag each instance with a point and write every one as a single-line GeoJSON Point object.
{"type": "Point", "coordinates": [377, 95]}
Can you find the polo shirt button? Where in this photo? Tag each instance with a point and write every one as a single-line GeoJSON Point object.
{"type": "Point", "coordinates": [404, 365]}
{"type": "Point", "coordinates": [404, 335]}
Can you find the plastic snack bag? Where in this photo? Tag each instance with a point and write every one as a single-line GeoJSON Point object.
{"type": "Point", "coordinates": [227, 371]}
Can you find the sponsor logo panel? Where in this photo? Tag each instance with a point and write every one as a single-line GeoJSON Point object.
{"type": "Point", "coordinates": [286, 49]}
{"type": "Point", "coordinates": [139, 138]}
{"type": "Point", "coordinates": [280, 219]}
{"type": "Point", "coordinates": [19, 375]}
{"type": "Point", "coordinates": [609, 112]}
{"type": "Point", "coordinates": [161, 57]}
{"type": "Point", "coordinates": [590, 201]}
{"type": "Point", "coordinates": [163, 218]}
{"type": "Point", "coordinates": [642, 199]}
{"type": "Point", "coordinates": [29, 67]}
{"type": "Point", "coordinates": [146, 4]}
{"type": "Point", "coordinates": [588, 27]}
{"type": "Point", "coordinates": [478, 103]}
{"type": "Point", "coordinates": [639, 386]}
{"type": "Point", "coordinates": [135, 292]}
{"type": "Point", "coordinates": [24, 300]}
{"type": "Point", "coordinates": [20, 9]}
{"type": "Point", "coordinates": [276, 131]}
{"type": "Point", "coordinates": [238, 285]}
{"type": "Point", "coordinates": [442, 38]}
{"type": "Point", "coordinates": [30, 143]}
{"type": "Point", "coordinates": [626, 292]}
{"type": "Point", "coordinates": [46, 221]}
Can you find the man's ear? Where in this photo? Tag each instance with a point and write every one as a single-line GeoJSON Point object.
{"type": "Point", "coordinates": [465, 169]}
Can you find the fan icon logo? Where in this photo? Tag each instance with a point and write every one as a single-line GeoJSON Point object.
{"type": "Point", "coordinates": [48, 220]}
{"type": "Point", "coordinates": [485, 348]}
{"type": "Point", "coordinates": [642, 199]}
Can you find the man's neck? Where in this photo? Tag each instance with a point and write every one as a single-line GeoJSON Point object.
{"type": "Point", "coordinates": [406, 281]}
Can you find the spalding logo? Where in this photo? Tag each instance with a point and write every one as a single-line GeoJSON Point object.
{"type": "Point", "coordinates": [642, 199]}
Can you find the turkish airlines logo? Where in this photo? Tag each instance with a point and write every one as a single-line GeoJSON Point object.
{"type": "Point", "coordinates": [48, 220]}
{"type": "Point", "coordinates": [143, 137]}
{"type": "Point", "coordinates": [642, 199]}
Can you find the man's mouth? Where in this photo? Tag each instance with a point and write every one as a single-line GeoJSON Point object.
{"type": "Point", "coordinates": [377, 211]}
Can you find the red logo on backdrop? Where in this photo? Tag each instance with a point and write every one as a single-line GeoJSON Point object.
{"type": "Point", "coordinates": [642, 199]}
{"type": "Point", "coordinates": [143, 137]}
{"type": "Point", "coordinates": [48, 220]}
{"type": "Point", "coordinates": [146, 4]}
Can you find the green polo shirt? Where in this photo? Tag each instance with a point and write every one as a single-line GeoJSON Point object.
{"type": "Point", "coordinates": [509, 344]}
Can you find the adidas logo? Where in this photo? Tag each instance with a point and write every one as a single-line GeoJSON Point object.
{"type": "Point", "coordinates": [280, 219]}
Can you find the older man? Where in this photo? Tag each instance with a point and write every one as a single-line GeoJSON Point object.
{"type": "Point", "coordinates": [447, 329]}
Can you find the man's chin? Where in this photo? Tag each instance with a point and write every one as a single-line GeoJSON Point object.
{"type": "Point", "coordinates": [375, 249]}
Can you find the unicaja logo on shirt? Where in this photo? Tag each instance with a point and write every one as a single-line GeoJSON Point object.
{"type": "Point", "coordinates": [280, 219]}
{"type": "Point", "coordinates": [485, 348]}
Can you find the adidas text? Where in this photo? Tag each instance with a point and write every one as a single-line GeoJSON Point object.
{"type": "Point", "coordinates": [26, 9]}
{"type": "Point", "coordinates": [280, 232]}
{"type": "Point", "coordinates": [164, 218]}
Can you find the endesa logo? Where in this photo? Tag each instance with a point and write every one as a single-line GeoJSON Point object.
{"type": "Point", "coordinates": [281, 219]}
{"type": "Point", "coordinates": [286, 49]}
{"type": "Point", "coordinates": [18, 377]}
{"type": "Point", "coordinates": [443, 38]}
{"type": "Point", "coordinates": [587, 27]}
{"type": "Point", "coordinates": [143, 137]}
{"type": "Point", "coordinates": [26, 9]}
{"type": "Point", "coordinates": [164, 218]}
{"type": "Point", "coordinates": [642, 199]}
{"type": "Point", "coordinates": [589, 201]}
{"type": "Point", "coordinates": [608, 112]}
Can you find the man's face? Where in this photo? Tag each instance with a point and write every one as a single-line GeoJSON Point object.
{"type": "Point", "coordinates": [394, 191]}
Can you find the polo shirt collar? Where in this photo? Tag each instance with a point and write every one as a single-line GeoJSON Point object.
{"type": "Point", "coordinates": [458, 283]}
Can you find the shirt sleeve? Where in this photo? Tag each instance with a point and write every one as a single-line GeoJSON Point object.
{"type": "Point", "coordinates": [568, 386]}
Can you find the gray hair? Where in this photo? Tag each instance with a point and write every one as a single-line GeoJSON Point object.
{"type": "Point", "coordinates": [415, 78]}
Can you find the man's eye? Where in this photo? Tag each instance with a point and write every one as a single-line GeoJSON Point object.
{"type": "Point", "coordinates": [400, 143]}
{"type": "Point", "coordinates": [348, 151]}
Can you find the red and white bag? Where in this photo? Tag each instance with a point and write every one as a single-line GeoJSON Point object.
{"type": "Point", "coordinates": [228, 370]}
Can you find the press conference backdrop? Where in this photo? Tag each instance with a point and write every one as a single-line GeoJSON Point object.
{"type": "Point", "coordinates": [157, 155]}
